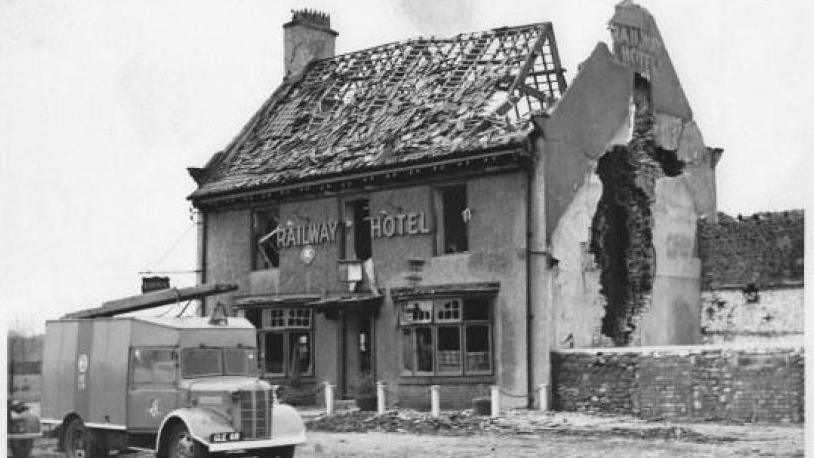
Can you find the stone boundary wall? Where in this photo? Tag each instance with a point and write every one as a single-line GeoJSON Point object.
{"type": "Point", "coordinates": [724, 383]}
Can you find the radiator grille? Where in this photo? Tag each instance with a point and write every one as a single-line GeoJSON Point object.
{"type": "Point", "coordinates": [255, 414]}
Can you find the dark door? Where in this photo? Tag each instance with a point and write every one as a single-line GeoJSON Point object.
{"type": "Point", "coordinates": [357, 356]}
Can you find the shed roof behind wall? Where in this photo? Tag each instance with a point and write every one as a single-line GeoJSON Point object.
{"type": "Point", "coordinates": [407, 102]}
{"type": "Point", "coordinates": [765, 249]}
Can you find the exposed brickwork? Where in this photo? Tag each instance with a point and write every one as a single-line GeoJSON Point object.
{"type": "Point", "coordinates": [682, 383]}
{"type": "Point", "coordinates": [452, 396]}
{"type": "Point", "coordinates": [621, 231]}
{"type": "Point", "coordinates": [765, 249]}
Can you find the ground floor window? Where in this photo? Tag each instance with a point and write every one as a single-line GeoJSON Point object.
{"type": "Point", "coordinates": [285, 338]}
{"type": "Point", "coordinates": [451, 336]}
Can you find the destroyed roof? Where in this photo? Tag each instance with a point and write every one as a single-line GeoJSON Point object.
{"type": "Point", "coordinates": [396, 104]}
{"type": "Point", "coordinates": [765, 249]}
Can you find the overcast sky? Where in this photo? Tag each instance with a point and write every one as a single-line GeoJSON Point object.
{"type": "Point", "coordinates": [103, 104]}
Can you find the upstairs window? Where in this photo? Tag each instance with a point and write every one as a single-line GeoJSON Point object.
{"type": "Point", "coordinates": [450, 336]}
{"type": "Point", "coordinates": [453, 217]}
{"type": "Point", "coordinates": [264, 240]}
{"type": "Point", "coordinates": [358, 238]}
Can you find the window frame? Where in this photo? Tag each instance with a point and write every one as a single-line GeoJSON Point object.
{"type": "Point", "coordinates": [434, 324]}
{"type": "Point", "coordinates": [439, 215]}
{"type": "Point", "coordinates": [348, 239]}
{"type": "Point", "coordinates": [175, 356]}
{"type": "Point", "coordinates": [254, 238]}
{"type": "Point", "coordinates": [286, 331]}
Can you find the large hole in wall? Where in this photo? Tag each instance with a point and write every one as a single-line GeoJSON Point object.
{"type": "Point", "coordinates": [622, 227]}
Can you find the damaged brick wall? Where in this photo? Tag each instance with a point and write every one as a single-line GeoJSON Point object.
{"type": "Point", "coordinates": [680, 383]}
{"type": "Point", "coordinates": [621, 231]}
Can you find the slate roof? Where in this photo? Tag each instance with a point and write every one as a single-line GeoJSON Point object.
{"type": "Point", "coordinates": [400, 103]}
{"type": "Point", "coordinates": [765, 249]}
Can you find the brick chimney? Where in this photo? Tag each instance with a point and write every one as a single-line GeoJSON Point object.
{"type": "Point", "coordinates": [307, 37]}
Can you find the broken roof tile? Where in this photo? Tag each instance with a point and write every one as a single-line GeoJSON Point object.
{"type": "Point", "coordinates": [424, 98]}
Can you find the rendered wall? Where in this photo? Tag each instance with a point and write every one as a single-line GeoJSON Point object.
{"type": "Point", "coordinates": [684, 383]}
{"type": "Point", "coordinates": [776, 318]}
{"type": "Point", "coordinates": [497, 252]}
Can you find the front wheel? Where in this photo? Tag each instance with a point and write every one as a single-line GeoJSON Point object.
{"type": "Point", "coordinates": [279, 452]}
{"type": "Point", "coordinates": [182, 445]}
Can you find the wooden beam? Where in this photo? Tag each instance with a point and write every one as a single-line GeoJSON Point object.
{"type": "Point", "coordinates": [151, 299]}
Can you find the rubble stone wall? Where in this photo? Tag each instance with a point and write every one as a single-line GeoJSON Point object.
{"type": "Point", "coordinates": [739, 384]}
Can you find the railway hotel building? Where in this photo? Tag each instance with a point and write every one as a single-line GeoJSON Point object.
{"type": "Point", "coordinates": [450, 210]}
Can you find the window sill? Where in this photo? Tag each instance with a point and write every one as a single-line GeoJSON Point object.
{"type": "Point", "coordinates": [286, 380]}
{"type": "Point", "coordinates": [446, 379]}
{"type": "Point", "coordinates": [460, 254]}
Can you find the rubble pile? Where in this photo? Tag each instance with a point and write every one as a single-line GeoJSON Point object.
{"type": "Point", "coordinates": [465, 423]}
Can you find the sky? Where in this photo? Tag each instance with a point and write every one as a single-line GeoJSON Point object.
{"type": "Point", "coordinates": [103, 104]}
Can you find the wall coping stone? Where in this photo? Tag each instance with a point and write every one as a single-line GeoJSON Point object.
{"type": "Point", "coordinates": [680, 350]}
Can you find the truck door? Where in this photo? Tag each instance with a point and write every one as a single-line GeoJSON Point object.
{"type": "Point", "coordinates": [152, 387]}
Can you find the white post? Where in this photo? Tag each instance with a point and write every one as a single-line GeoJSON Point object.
{"type": "Point", "coordinates": [274, 389]}
{"type": "Point", "coordinates": [435, 402]}
{"type": "Point", "coordinates": [495, 401]}
{"type": "Point", "coordinates": [329, 398]}
{"type": "Point", "coordinates": [542, 395]}
{"type": "Point", "coordinates": [380, 397]}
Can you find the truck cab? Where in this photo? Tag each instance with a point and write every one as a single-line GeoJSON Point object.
{"type": "Point", "coordinates": [181, 386]}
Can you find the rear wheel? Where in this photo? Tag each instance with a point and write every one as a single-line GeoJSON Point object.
{"type": "Point", "coordinates": [76, 440]}
{"type": "Point", "coordinates": [182, 445]}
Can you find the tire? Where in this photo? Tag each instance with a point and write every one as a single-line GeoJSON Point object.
{"type": "Point", "coordinates": [21, 448]}
{"type": "Point", "coordinates": [180, 444]}
{"type": "Point", "coordinates": [77, 440]}
{"type": "Point", "coordinates": [280, 452]}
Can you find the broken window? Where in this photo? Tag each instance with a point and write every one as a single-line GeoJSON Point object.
{"type": "Point", "coordinates": [453, 216]}
{"type": "Point", "coordinates": [286, 342]}
{"type": "Point", "coordinates": [358, 239]}
{"type": "Point", "coordinates": [450, 336]}
{"type": "Point", "coordinates": [264, 240]}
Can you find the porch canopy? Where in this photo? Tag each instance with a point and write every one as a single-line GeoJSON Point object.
{"type": "Point", "coordinates": [446, 290]}
{"type": "Point", "coordinates": [330, 304]}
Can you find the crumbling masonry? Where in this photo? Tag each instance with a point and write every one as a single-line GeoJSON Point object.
{"type": "Point", "coordinates": [621, 232]}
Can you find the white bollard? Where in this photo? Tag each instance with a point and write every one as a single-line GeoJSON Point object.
{"type": "Point", "coordinates": [329, 399]}
{"type": "Point", "coordinates": [274, 389]}
{"type": "Point", "coordinates": [380, 397]}
{"type": "Point", "coordinates": [495, 401]}
{"type": "Point", "coordinates": [435, 401]}
{"type": "Point", "coordinates": [542, 395]}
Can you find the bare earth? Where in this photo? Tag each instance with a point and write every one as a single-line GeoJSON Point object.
{"type": "Point", "coordinates": [527, 434]}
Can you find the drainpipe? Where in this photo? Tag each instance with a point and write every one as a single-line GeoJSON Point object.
{"type": "Point", "coordinates": [202, 239]}
{"type": "Point", "coordinates": [529, 311]}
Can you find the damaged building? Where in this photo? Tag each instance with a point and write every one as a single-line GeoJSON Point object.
{"type": "Point", "coordinates": [752, 278]}
{"type": "Point", "coordinates": [448, 211]}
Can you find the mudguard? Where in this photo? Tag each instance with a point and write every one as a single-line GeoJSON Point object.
{"type": "Point", "coordinates": [201, 423]}
{"type": "Point", "coordinates": [287, 428]}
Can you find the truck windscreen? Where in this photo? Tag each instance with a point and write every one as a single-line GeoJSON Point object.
{"type": "Point", "coordinates": [204, 362]}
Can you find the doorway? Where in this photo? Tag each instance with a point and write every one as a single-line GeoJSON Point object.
{"type": "Point", "coordinates": [357, 355]}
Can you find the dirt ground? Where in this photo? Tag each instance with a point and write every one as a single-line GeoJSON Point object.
{"type": "Point", "coordinates": [527, 433]}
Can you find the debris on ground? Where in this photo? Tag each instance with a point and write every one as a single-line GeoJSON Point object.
{"type": "Point", "coordinates": [465, 423]}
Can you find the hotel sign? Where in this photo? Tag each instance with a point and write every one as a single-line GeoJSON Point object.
{"type": "Point", "coordinates": [381, 226]}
